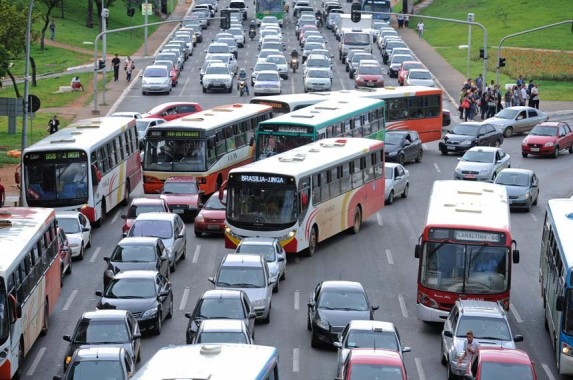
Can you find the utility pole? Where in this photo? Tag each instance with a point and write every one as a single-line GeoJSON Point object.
{"type": "Point", "coordinates": [26, 79]}
{"type": "Point", "coordinates": [104, 15]}
{"type": "Point", "coordinates": [145, 29]}
{"type": "Point", "coordinates": [470, 19]}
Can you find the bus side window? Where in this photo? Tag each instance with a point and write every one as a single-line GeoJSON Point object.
{"type": "Point", "coordinates": [357, 175]}
{"type": "Point", "coordinates": [211, 155]}
{"type": "Point", "coordinates": [345, 180]}
{"type": "Point", "coordinates": [230, 138]}
{"type": "Point", "coordinates": [220, 146]}
{"type": "Point", "coordinates": [240, 137]}
{"type": "Point", "coordinates": [316, 189]}
{"type": "Point", "coordinates": [304, 195]}
{"type": "Point", "coordinates": [324, 188]}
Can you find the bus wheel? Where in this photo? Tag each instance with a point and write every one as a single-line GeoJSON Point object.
{"type": "Point", "coordinates": [18, 373]}
{"type": "Point", "coordinates": [546, 324]}
{"type": "Point", "coordinates": [126, 195]}
{"type": "Point", "coordinates": [45, 324]}
{"type": "Point", "coordinates": [357, 220]}
{"type": "Point", "coordinates": [312, 241]}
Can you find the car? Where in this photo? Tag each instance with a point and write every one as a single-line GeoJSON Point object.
{"type": "Point", "coordinates": [317, 62]}
{"type": "Point", "coordinates": [502, 363]}
{"type": "Point", "coordinates": [188, 38]}
{"type": "Point", "coordinates": [132, 114]}
{"type": "Point", "coordinates": [366, 363]}
{"type": "Point", "coordinates": [419, 77]}
{"type": "Point", "coordinates": [395, 62]}
{"type": "Point", "coordinates": [270, 20]}
{"type": "Point", "coordinates": [517, 119]}
{"type": "Point", "coordinates": [178, 45]}
{"type": "Point", "coordinates": [468, 134]}
{"type": "Point", "coordinates": [389, 46]}
{"type": "Point", "coordinates": [78, 231]}
{"type": "Point", "coordinates": [226, 58]}
{"type": "Point", "coordinates": [397, 182]}
{"type": "Point", "coordinates": [239, 36]}
{"type": "Point", "coordinates": [221, 304]}
{"type": "Point", "coordinates": [309, 47]}
{"type": "Point", "coordinates": [267, 83]}
{"type": "Point", "coordinates": [171, 57]}
{"type": "Point", "coordinates": [522, 187]}
{"type": "Point", "coordinates": [156, 78]}
{"type": "Point", "coordinates": [65, 253]}
{"type": "Point", "coordinates": [99, 363]}
{"type": "Point", "coordinates": [204, 66]}
{"type": "Point", "coordinates": [173, 110]}
{"type": "Point", "coordinates": [177, 56]}
{"type": "Point", "coordinates": [136, 253]}
{"type": "Point", "coordinates": [332, 305]}
{"type": "Point", "coordinates": [402, 146]}
{"type": "Point", "coordinates": [211, 218]}
{"type": "Point", "coordinates": [193, 27]}
{"type": "Point", "coordinates": [218, 48]}
{"type": "Point", "coordinates": [218, 77]}
{"type": "Point", "coordinates": [263, 54]}
{"type": "Point", "coordinates": [482, 164]}
{"type": "Point", "coordinates": [230, 41]}
{"type": "Point", "coordinates": [239, 5]}
{"type": "Point", "coordinates": [332, 19]}
{"type": "Point", "coordinates": [353, 60]}
{"type": "Point", "coordinates": [317, 80]}
{"type": "Point", "coordinates": [548, 139]}
{"type": "Point", "coordinates": [405, 67]}
{"type": "Point", "coordinates": [368, 334]}
{"type": "Point", "coordinates": [249, 273]}
{"type": "Point", "coordinates": [140, 206]}
{"type": "Point", "coordinates": [262, 66]}
{"type": "Point", "coordinates": [281, 62]}
{"type": "Point", "coordinates": [269, 44]}
{"type": "Point", "coordinates": [369, 76]}
{"type": "Point", "coordinates": [183, 195]}
{"type": "Point", "coordinates": [206, 7]}
{"type": "Point", "coordinates": [488, 322]}
{"type": "Point", "coordinates": [315, 38]}
{"type": "Point", "coordinates": [271, 250]}
{"type": "Point", "coordinates": [146, 294]}
{"type": "Point", "coordinates": [144, 124]}
{"type": "Point", "coordinates": [223, 331]}
{"type": "Point", "coordinates": [203, 15]}
{"type": "Point", "coordinates": [105, 328]}
{"type": "Point", "coordinates": [166, 226]}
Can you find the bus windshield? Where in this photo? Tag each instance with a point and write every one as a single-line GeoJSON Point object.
{"type": "Point", "coordinates": [269, 145]}
{"type": "Point", "coordinates": [4, 321]}
{"type": "Point", "coordinates": [174, 155]}
{"type": "Point", "coordinates": [376, 5]}
{"type": "Point", "coordinates": [464, 268]}
{"type": "Point", "coordinates": [262, 206]}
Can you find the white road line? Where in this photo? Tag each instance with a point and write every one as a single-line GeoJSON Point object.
{"type": "Point", "coordinates": [117, 213]}
{"type": "Point", "coordinates": [437, 167]}
{"type": "Point", "coordinates": [36, 361]}
{"type": "Point", "coordinates": [379, 217]}
{"type": "Point", "coordinates": [403, 306]}
{"type": "Point", "coordinates": [70, 300]}
{"type": "Point", "coordinates": [295, 359]}
{"type": "Point", "coordinates": [184, 299]}
{"type": "Point", "coordinates": [196, 255]}
{"type": "Point", "coordinates": [292, 84]}
{"type": "Point", "coordinates": [296, 299]}
{"type": "Point", "coordinates": [420, 369]}
{"type": "Point", "coordinates": [515, 313]}
{"type": "Point", "coordinates": [342, 84]}
{"type": "Point", "coordinates": [184, 89]}
{"type": "Point", "coordinates": [547, 371]}
{"type": "Point", "coordinates": [533, 216]}
{"type": "Point", "coordinates": [94, 255]}
{"type": "Point", "coordinates": [389, 256]}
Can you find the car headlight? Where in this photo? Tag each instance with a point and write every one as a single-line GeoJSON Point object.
{"type": "Point", "coordinates": [549, 144]}
{"type": "Point", "coordinates": [322, 324]}
{"type": "Point", "coordinates": [467, 142]}
{"type": "Point", "coordinates": [200, 218]}
{"type": "Point", "coordinates": [149, 313]}
{"type": "Point", "coordinates": [259, 303]}
{"type": "Point", "coordinates": [458, 171]}
{"type": "Point", "coordinates": [567, 349]}
{"type": "Point", "coordinates": [393, 154]}
{"type": "Point", "coordinates": [523, 196]}
{"type": "Point", "coordinates": [485, 171]}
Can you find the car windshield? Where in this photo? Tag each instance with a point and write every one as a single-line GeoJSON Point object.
{"type": "Point", "coordinates": [267, 77]}
{"type": "Point", "coordinates": [313, 45]}
{"type": "Point", "coordinates": [95, 369]}
{"type": "Point", "coordinates": [484, 327]}
{"type": "Point", "coordinates": [220, 307]}
{"type": "Point", "coordinates": [217, 70]}
{"type": "Point", "coordinates": [218, 49]}
{"type": "Point", "coordinates": [141, 125]}
{"type": "Point", "coordinates": [277, 60]}
{"type": "Point", "coordinates": [134, 253]}
{"type": "Point", "coordinates": [265, 66]}
{"type": "Point", "coordinates": [478, 156]}
{"type": "Point", "coordinates": [152, 228]}
{"type": "Point", "coordinates": [222, 337]}
{"type": "Point", "coordinates": [169, 65]}
{"type": "Point", "coordinates": [207, 63]}
{"type": "Point", "coordinates": [375, 371]}
{"type": "Point", "coordinates": [393, 138]}
{"type": "Point", "coordinates": [358, 57]}
{"type": "Point", "coordinates": [213, 203]}
{"type": "Point", "coordinates": [241, 277]}
{"type": "Point", "coordinates": [512, 179]}
{"type": "Point", "coordinates": [401, 58]}
{"type": "Point", "coordinates": [269, 20]}
{"type": "Point", "coordinates": [411, 66]}
{"type": "Point", "coordinates": [370, 339]}
{"type": "Point", "coordinates": [127, 288]}
{"type": "Point", "coordinates": [101, 331]}
{"type": "Point", "coordinates": [267, 251]}
{"type": "Point", "coordinates": [155, 72]}
{"type": "Point", "coordinates": [504, 371]}
{"type": "Point", "coordinates": [69, 225]}
{"type": "Point", "coordinates": [342, 300]}
{"type": "Point", "coordinates": [357, 38]}
{"type": "Point", "coordinates": [420, 75]}
{"type": "Point", "coordinates": [135, 210]}
{"type": "Point", "coordinates": [229, 41]}
{"type": "Point", "coordinates": [317, 74]}
{"type": "Point", "coordinates": [466, 129]}
{"type": "Point", "coordinates": [317, 63]}
{"type": "Point", "coordinates": [542, 130]}
{"type": "Point", "coordinates": [507, 114]}
{"type": "Point", "coordinates": [188, 187]}
{"type": "Point", "coordinates": [370, 70]}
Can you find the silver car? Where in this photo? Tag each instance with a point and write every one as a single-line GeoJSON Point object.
{"type": "Point", "coordinates": [397, 182]}
{"type": "Point", "coordinates": [522, 187]}
{"type": "Point", "coordinates": [482, 163]}
{"type": "Point", "coordinates": [517, 119]}
{"type": "Point", "coordinates": [317, 80]}
{"type": "Point", "coordinates": [238, 35]}
{"type": "Point", "coordinates": [273, 253]}
{"type": "Point", "coordinates": [281, 62]}
{"type": "Point", "coordinates": [420, 77]}
{"type": "Point", "coordinates": [156, 78]}
{"type": "Point", "coordinates": [267, 83]}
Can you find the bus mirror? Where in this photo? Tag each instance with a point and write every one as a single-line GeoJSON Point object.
{"type": "Point", "coordinates": [559, 303]}
{"type": "Point", "coordinates": [96, 175]}
{"type": "Point", "coordinates": [252, 141]}
{"type": "Point", "coordinates": [18, 311]}
{"type": "Point", "coordinates": [418, 251]}
{"type": "Point", "coordinates": [17, 178]}
{"type": "Point", "coordinates": [516, 256]}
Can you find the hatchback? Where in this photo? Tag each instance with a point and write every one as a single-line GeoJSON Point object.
{"type": "Point", "coordinates": [140, 206]}
{"type": "Point", "coordinates": [403, 146]}
{"type": "Point", "coordinates": [173, 110]}
{"type": "Point", "coordinates": [502, 363]}
{"type": "Point", "coordinates": [317, 80]}
{"type": "Point", "coordinates": [183, 195]}
{"type": "Point", "coordinates": [99, 363]}
{"type": "Point", "coordinates": [405, 67]}
{"type": "Point", "coordinates": [267, 83]}
{"type": "Point", "coordinates": [78, 231]}
{"type": "Point", "coordinates": [482, 163]}
{"type": "Point", "coordinates": [395, 62]}
{"type": "Point", "coordinates": [369, 76]}
{"type": "Point", "coordinates": [419, 77]}
{"type": "Point", "coordinates": [365, 363]}
{"type": "Point", "coordinates": [522, 187]}
{"type": "Point", "coordinates": [223, 331]}
{"type": "Point", "coordinates": [397, 182]}
{"type": "Point", "coordinates": [271, 250]}
{"type": "Point", "coordinates": [548, 139]}
{"type": "Point", "coordinates": [211, 218]}
{"type": "Point", "coordinates": [262, 66]}
{"type": "Point", "coordinates": [156, 79]}
{"type": "Point", "coordinates": [173, 70]}
{"type": "Point", "coordinates": [517, 119]}
{"type": "Point", "coordinates": [281, 62]}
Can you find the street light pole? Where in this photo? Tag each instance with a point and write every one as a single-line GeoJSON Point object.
{"type": "Point", "coordinates": [26, 79]}
{"type": "Point", "coordinates": [470, 19]}
{"type": "Point", "coordinates": [104, 15]}
{"type": "Point", "coordinates": [145, 29]}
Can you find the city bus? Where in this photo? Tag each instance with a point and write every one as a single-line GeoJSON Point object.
{"type": "Point", "coordinates": [306, 195]}
{"type": "Point", "coordinates": [334, 117]}
{"type": "Point", "coordinates": [381, 8]}
{"type": "Point", "coordinates": [213, 362]}
{"type": "Point", "coordinates": [290, 102]}
{"type": "Point", "coordinates": [270, 8]}
{"type": "Point", "coordinates": [465, 250]}
{"type": "Point", "coordinates": [205, 145]}
{"type": "Point", "coordinates": [555, 275]}
{"type": "Point", "coordinates": [90, 166]}
{"type": "Point", "coordinates": [29, 281]}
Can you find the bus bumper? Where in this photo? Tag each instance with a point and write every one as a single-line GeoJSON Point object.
{"type": "Point", "coordinates": [565, 365]}
{"type": "Point", "coordinates": [429, 314]}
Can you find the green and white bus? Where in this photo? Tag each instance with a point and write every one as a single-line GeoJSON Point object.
{"type": "Point", "coordinates": [335, 117]}
{"type": "Point", "coordinates": [269, 8]}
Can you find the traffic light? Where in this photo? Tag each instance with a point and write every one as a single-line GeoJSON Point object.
{"type": "Point", "coordinates": [225, 19]}
{"type": "Point", "coordinates": [355, 12]}
{"type": "Point", "coordinates": [482, 53]}
{"type": "Point", "coordinates": [501, 62]}
{"type": "Point", "coordinates": [131, 12]}
{"type": "Point", "coordinates": [101, 64]}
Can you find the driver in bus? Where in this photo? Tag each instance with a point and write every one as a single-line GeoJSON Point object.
{"type": "Point", "coordinates": [489, 263]}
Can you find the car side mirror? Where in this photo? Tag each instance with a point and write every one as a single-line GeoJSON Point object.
{"type": "Point", "coordinates": [406, 349]}
{"type": "Point", "coordinates": [374, 308]}
{"type": "Point", "coordinates": [407, 143]}
{"type": "Point", "coordinates": [136, 336]}
{"type": "Point", "coordinates": [337, 344]}
{"type": "Point", "coordinates": [85, 229]}
{"type": "Point", "coordinates": [252, 315]}
{"type": "Point", "coordinates": [418, 251]}
{"type": "Point", "coordinates": [163, 293]}
{"type": "Point", "coordinates": [163, 258]}
{"type": "Point", "coordinates": [57, 377]}
{"type": "Point", "coordinates": [188, 316]}
{"type": "Point", "coordinates": [212, 280]}
{"type": "Point", "coordinates": [67, 338]}
{"type": "Point", "coordinates": [448, 333]}
{"type": "Point", "coordinates": [106, 259]}
{"type": "Point", "coordinates": [311, 304]}
{"type": "Point", "coordinates": [518, 338]}
{"type": "Point", "coordinates": [281, 259]}
{"type": "Point", "coordinates": [123, 216]}
{"type": "Point", "coordinates": [99, 293]}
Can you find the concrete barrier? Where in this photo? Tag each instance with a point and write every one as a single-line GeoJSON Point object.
{"type": "Point", "coordinates": [65, 89]}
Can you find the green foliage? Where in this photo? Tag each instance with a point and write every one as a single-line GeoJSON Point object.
{"type": "Point", "coordinates": [13, 33]}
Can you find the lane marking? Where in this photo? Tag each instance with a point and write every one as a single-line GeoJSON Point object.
{"type": "Point", "coordinates": [70, 300]}
{"type": "Point", "coordinates": [547, 371]}
{"type": "Point", "coordinates": [437, 167]}
{"type": "Point", "coordinates": [295, 359]}
{"type": "Point", "coordinates": [420, 369]}
{"type": "Point", "coordinates": [379, 217]}
{"type": "Point", "coordinates": [389, 256]}
{"type": "Point", "coordinates": [196, 255]}
{"type": "Point", "coordinates": [184, 89]}
{"type": "Point", "coordinates": [296, 299]}
{"type": "Point", "coordinates": [94, 255]}
{"type": "Point", "coordinates": [36, 361]}
{"type": "Point", "coordinates": [184, 299]}
{"type": "Point", "coordinates": [117, 213]}
{"type": "Point", "coordinates": [403, 306]}
{"type": "Point", "coordinates": [533, 217]}
{"type": "Point", "coordinates": [342, 84]}
{"type": "Point", "coordinates": [515, 313]}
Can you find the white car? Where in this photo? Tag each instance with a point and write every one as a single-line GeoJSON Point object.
{"type": "Point", "coordinates": [317, 62]}
{"type": "Point", "coordinates": [145, 123]}
{"type": "Point", "coordinates": [218, 77]}
{"type": "Point", "coordinates": [78, 231]}
{"type": "Point", "coordinates": [262, 66]}
{"type": "Point", "coordinates": [133, 114]}
{"type": "Point", "coordinates": [420, 77]}
{"type": "Point", "coordinates": [273, 253]}
{"type": "Point", "coordinates": [263, 54]}
{"type": "Point", "coordinates": [228, 59]}
{"type": "Point", "coordinates": [267, 83]}
{"type": "Point", "coordinates": [281, 62]}
{"type": "Point", "coordinates": [238, 35]}
{"type": "Point", "coordinates": [230, 41]}
{"type": "Point", "coordinates": [397, 182]}
{"type": "Point", "coordinates": [317, 80]}
{"type": "Point", "coordinates": [270, 20]}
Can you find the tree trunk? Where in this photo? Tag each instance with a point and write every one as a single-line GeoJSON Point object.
{"type": "Point", "coordinates": [62, 9]}
{"type": "Point", "coordinates": [16, 90]}
{"type": "Point", "coordinates": [33, 66]}
{"type": "Point", "coordinates": [90, 14]}
{"type": "Point", "coordinates": [50, 4]}
{"type": "Point", "coordinates": [99, 9]}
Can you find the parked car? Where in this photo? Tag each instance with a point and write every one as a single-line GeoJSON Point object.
{"type": "Point", "coordinates": [522, 187]}
{"type": "Point", "coordinates": [99, 363]}
{"type": "Point", "coordinates": [482, 164]}
{"type": "Point", "coordinates": [271, 250]}
{"type": "Point", "coordinates": [78, 231]}
{"type": "Point", "coordinates": [156, 79]}
{"type": "Point", "coordinates": [548, 139]}
{"type": "Point", "coordinates": [397, 182]}
{"type": "Point", "coordinates": [466, 135]}
{"type": "Point", "coordinates": [183, 195]}
{"type": "Point", "coordinates": [173, 110]}
{"type": "Point", "coordinates": [140, 206]}
{"type": "Point", "coordinates": [502, 363]}
{"type": "Point", "coordinates": [223, 331]}
{"type": "Point", "coordinates": [403, 146]}
{"type": "Point", "coordinates": [211, 218]}
{"type": "Point", "coordinates": [517, 119]}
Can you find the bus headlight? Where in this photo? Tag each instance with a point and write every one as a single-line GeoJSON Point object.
{"type": "Point", "coordinates": [288, 236]}
{"type": "Point", "coordinates": [427, 301]}
{"type": "Point", "coordinates": [566, 349]}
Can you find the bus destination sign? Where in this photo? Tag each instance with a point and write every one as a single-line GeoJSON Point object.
{"type": "Point", "coordinates": [55, 156]}
{"type": "Point", "coordinates": [257, 178]}
{"type": "Point", "coordinates": [188, 134]}
{"type": "Point", "coordinates": [479, 236]}
{"type": "Point", "coordinates": [286, 128]}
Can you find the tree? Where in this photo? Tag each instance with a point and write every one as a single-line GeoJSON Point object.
{"type": "Point", "coordinates": [107, 4]}
{"type": "Point", "coordinates": [90, 14]}
{"type": "Point", "coordinates": [50, 4]}
{"type": "Point", "coordinates": [14, 16]}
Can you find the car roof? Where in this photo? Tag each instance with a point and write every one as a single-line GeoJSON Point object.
{"type": "Point", "coordinates": [106, 353]}
{"type": "Point", "coordinates": [158, 66]}
{"type": "Point", "coordinates": [504, 355]}
{"type": "Point", "coordinates": [516, 171]}
{"type": "Point", "coordinates": [375, 356]}
{"type": "Point", "coordinates": [138, 240]}
{"type": "Point", "coordinates": [391, 165]}
{"type": "Point", "coordinates": [484, 149]}
{"type": "Point", "coordinates": [268, 72]}
{"type": "Point", "coordinates": [156, 216]}
{"type": "Point", "coordinates": [136, 274]}
{"type": "Point", "coordinates": [146, 201]}
{"type": "Point", "coordinates": [242, 260]}
{"type": "Point", "coordinates": [481, 308]}
{"type": "Point", "coordinates": [342, 285]}
{"type": "Point", "coordinates": [419, 70]}
{"type": "Point", "coordinates": [105, 314]}
{"type": "Point", "coordinates": [216, 64]}
{"type": "Point", "coordinates": [358, 324]}
{"type": "Point", "coordinates": [222, 293]}
{"type": "Point", "coordinates": [258, 240]}
{"type": "Point", "coordinates": [236, 325]}
{"type": "Point", "coordinates": [67, 214]}
{"type": "Point", "coordinates": [169, 104]}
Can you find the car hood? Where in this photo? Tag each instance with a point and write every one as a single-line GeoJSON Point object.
{"type": "Point", "coordinates": [453, 138]}
{"type": "Point", "coordinates": [369, 77]}
{"type": "Point", "coordinates": [213, 214]}
{"type": "Point", "coordinates": [340, 318]}
{"type": "Point", "coordinates": [217, 76]}
{"type": "Point", "coordinates": [74, 238]}
{"type": "Point", "coordinates": [465, 165]}
{"type": "Point", "coordinates": [73, 346]}
{"type": "Point", "coordinates": [389, 148]}
{"type": "Point", "coordinates": [422, 82]}
{"type": "Point", "coordinates": [254, 294]}
{"type": "Point", "coordinates": [132, 305]}
{"type": "Point", "coordinates": [267, 83]}
{"type": "Point", "coordinates": [516, 190]}
{"type": "Point", "coordinates": [532, 139]}
{"type": "Point", "coordinates": [156, 80]}
{"type": "Point", "coordinates": [317, 80]}
{"type": "Point", "coordinates": [186, 199]}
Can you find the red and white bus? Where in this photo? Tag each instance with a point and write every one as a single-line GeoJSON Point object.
{"type": "Point", "coordinates": [466, 250]}
{"type": "Point", "coordinates": [90, 166]}
{"type": "Point", "coordinates": [307, 194]}
{"type": "Point", "coordinates": [205, 145]}
{"type": "Point", "coordinates": [29, 281]}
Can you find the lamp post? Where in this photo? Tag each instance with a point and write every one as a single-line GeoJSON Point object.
{"type": "Point", "coordinates": [145, 29]}
{"type": "Point", "coordinates": [26, 78]}
{"type": "Point", "coordinates": [470, 19]}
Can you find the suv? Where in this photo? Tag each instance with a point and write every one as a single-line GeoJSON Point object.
{"type": "Point", "coordinates": [217, 77]}
{"type": "Point", "coordinates": [239, 4]}
{"type": "Point", "coordinates": [488, 322]}
{"type": "Point", "coordinates": [403, 146]}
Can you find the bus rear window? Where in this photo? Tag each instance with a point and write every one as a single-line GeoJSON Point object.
{"type": "Point", "coordinates": [357, 38]}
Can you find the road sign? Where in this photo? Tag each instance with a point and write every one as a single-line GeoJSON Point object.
{"type": "Point", "coordinates": [147, 9]}
{"type": "Point", "coordinates": [33, 103]}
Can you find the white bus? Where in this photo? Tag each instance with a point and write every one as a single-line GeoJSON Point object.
{"type": "Point", "coordinates": [213, 362]}
{"type": "Point", "coordinates": [290, 102]}
{"type": "Point", "coordinates": [29, 281]}
{"type": "Point", "coordinates": [555, 269]}
{"type": "Point", "coordinates": [90, 166]}
{"type": "Point", "coordinates": [307, 194]}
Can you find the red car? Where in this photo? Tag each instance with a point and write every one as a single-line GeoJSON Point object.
{"type": "Point", "coordinates": [140, 206]}
{"type": "Point", "coordinates": [65, 253]}
{"type": "Point", "coordinates": [502, 363]}
{"type": "Point", "coordinates": [211, 218]}
{"type": "Point", "coordinates": [173, 71]}
{"type": "Point", "coordinates": [547, 139]}
{"type": "Point", "coordinates": [369, 76]}
{"type": "Point", "coordinates": [173, 110]}
{"type": "Point", "coordinates": [367, 364]}
{"type": "Point", "coordinates": [406, 66]}
{"type": "Point", "coordinates": [183, 196]}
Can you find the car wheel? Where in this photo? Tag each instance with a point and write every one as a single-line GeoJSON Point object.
{"type": "Point", "coordinates": [497, 143]}
{"type": "Point", "coordinates": [443, 360]}
{"type": "Point", "coordinates": [170, 310]}
{"type": "Point", "coordinates": [267, 320]}
{"type": "Point", "coordinates": [184, 253]}
{"type": "Point", "coordinates": [283, 276]}
{"type": "Point", "coordinates": [444, 152]}
{"type": "Point", "coordinates": [174, 265]}
{"type": "Point", "coordinates": [556, 152]}
{"type": "Point", "coordinates": [571, 149]}
{"type": "Point", "coordinates": [390, 199]}
{"type": "Point", "coordinates": [138, 359]}
{"type": "Point", "coordinates": [89, 243]}
{"type": "Point", "coordinates": [347, 69]}
{"type": "Point", "coordinates": [204, 90]}
{"type": "Point", "coordinates": [401, 159]}
{"type": "Point", "coordinates": [81, 255]}
{"type": "Point", "coordinates": [198, 233]}
{"type": "Point", "coordinates": [276, 287]}
{"type": "Point", "coordinates": [420, 155]}
{"type": "Point", "coordinates": [535, 201]}
{"type": "Point", "coordinates": [308, 324]}
{"type": "Point", "coordinates": [45, 322]}
{"type": "Point", "coordinates": [493, 176]}
{"type": "Point", "coordinates": [507, 132]}
{"type": "Point", "coordinates": [157, 329]}
{"type": "Point", "coordinates": [405, 193]}
{"type": "Point", "coordinates": [524, 155]}
{"type": "Point", "coordinates": [69, 269]}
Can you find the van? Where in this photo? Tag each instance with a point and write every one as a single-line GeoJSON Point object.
{"type": "Point", "coordinates": [239, 4]}
{"type": "Point", "coordinates": [355, 39]}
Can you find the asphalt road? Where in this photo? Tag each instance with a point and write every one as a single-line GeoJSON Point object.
{"type": "Point", "coordinates": [381, 257]}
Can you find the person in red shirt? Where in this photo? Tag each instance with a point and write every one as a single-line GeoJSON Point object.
{"type": "Point", "coordinates": [2, 194]}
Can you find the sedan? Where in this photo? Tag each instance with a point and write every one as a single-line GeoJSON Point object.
{"type": "Point", "coordinates": [368, 363]}
{"type": "Point", "coordinates": [183, 195]}
{"type": "Point", "coordinates": [173, 110]}
{"type": "Point", "coordinates": [144, 293]}
{"type": "Point", "coordinates": [482, 164]}
{"type": "Point", "coordinates": [223, 331]}
{"type": "Point", "coordinates": [420, 77]}
{"type": "Point", "coordinates": [140, 206]}
{"type": "Point", "coordinates": [78, 231]}
{"type": "Point", "coordinates": [273, 253]}
{"type": "Point", "coordinates": [469, 134]}
{"type": "Point", "coordinates": [281, 62]}
{"type": "Point", "coordinates": [397, 182]}
{"type": "Point", "coordinates": [332, 305]}
{"type": "Point", "coordinates": [517, 119]}
{"type": "Point", "coordinates": [317, 80]}
{"type": "Point", "coordinates": [211, 218]}
{"type": "Point", "coordinates": [403, 146]}
{"type": "Point", "coordinates": [262, 66]}
{"type": "Point", "coordinates": [267, 83]}
{"type": "Point", "coordinates": [369, 76]}
{"type": "Point", "coordinates": [522, 187]}
{"type": "Point", "coordinates": [548, 139]}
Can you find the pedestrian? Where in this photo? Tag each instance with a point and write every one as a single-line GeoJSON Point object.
{"type": "Point", "coordinates": [498, 97]}
{"type": "Point", "coordinates": [484, 98]}
{"type": "Point", "coordinates": [115, 63]}
{"type": "Point", "coordinates": [479, 83]}
{"type": "Point", "coordinates": [406, 20]}
{"type": "Point", "coordinates": [471, 348]}
{"type": "Point", "coordinates": [129, 67]}
{"type": "Point", "coordinates": [520, 81]}
{"type": "Point", "coordinates": [2, 194]}
{"type": "Point", "coordinates": [529, 87]}
{"type": "Point", "coordinates": [53, 125]}
{"type": "Point", "coordinates": [467, 106]}
{"type": "Point", "coordinates": [400, 21]}
{"type": "Point", "coordinates": [76, 84]}
{"type": "Point", "coordinates": [516, 95]}
{"type": "Point", "coordinates": [52, 30]}
{"type": "Point", "coordinates": [420, 29]}
{"type": "Point", "coordinates": [491, 103]}
{"type": "Point", "coordinates": [508, 97]}
{"type": "Point", "coordinates": [535, 96]}
{"type": "Point", "coordinates": [524, 96]}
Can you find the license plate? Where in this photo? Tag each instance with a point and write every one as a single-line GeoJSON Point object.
{"type": "Point", "coordinates": [212, 227]}
{"type": "Point", "coordinates": [451, 148]}
{"type": "Point", "coordinates": [178, 211]}
{"type": "Point", "coordinates": [469, 176]}
{"type": "Point", "coordinates": [534, 149]}
{"type": "Point", "coordinates": [370, 84]}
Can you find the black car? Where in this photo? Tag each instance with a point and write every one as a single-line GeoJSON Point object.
{"type": "Point", "coordinates": [467, 135]}
{"type": "Point", "coordinates": [109, 328]}
{"type": "Point", "coordinates": [146, 294]}
{"type": "Point", "coordinates": [403, 146]}
{"type": "Point", "coordinates": [136, 253]}
{"type": "Point", "coordinates": [332, 305]}
{"type": "Point", "coordinates": [221, 304]}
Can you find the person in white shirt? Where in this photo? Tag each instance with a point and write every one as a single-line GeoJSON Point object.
{"type": "Point", "coordinates": [420, 28]}
{"type": "Point", "coordinates": [471, 348]}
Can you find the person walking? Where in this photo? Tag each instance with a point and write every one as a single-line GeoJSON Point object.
{"type": "Point", "coordinates": [534, 96]}
{"type": "Point", "coordinates": [471, 348]}
{"type": "Point", "coordinates": [2, 194]}
{"type": "Point", "coordinates": [406, 20]}
{"type": "Point", "coordinates": [115, 63]}
{"type": "Point", "coordinates": [420, 29]}
{"type": "Point", "coordinates": [129, 67]}
{"type": "Point", "coordinates": [400, 21]}
{"type": "Point", "coordinates": [479, 83]}
{"type": "Point", "coordinates": [53, 125]}
{"type": "Point", "coordinates": [52, 30]}
{"type": "Point", "coordinates": [524, 96]}
{"type": "Point", "coordinates": [508, 97]}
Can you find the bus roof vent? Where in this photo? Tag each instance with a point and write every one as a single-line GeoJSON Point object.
{"type": "Point", "coordinates": [298, 157]}
{"type": "Point", "coordinates": [303, 116]}
{"type": "Point", "coordinates": [314, 150]}
{"type": "Point", "coordinates": [474, 208]}
{"type": "Point", "coordinates": [210, 349]}
{"type": "Point", "coordinates": [76, 133]}
{"type": "Point", "coordinates": [93, 124]}
{"type": "Point", "coordinates": [223, 109]}
{"type": "Point", "coordinates": [4, 223]}
{"type": "Point", "coordinates": [333, 144]}
{"type": "Point", "coordinates": [63, 141]}
{"type": "Point", "coordinates": [193, 119]}
{"type": "Point", "coordinates": [328, 108]}
{"type": "Point", "coordinates": [469, 192]}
